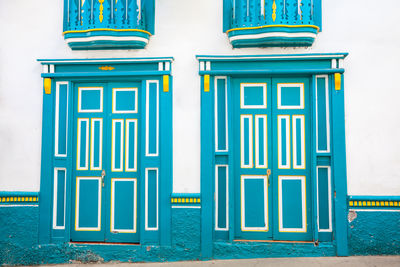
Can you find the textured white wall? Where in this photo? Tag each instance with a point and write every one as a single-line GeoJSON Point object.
{"type": "Point", "coordinates": [365, 28]}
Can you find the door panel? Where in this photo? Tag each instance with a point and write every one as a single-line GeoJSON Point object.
{"type": "Point", "coordinates": [254, 203]}
{"type": "Point", "coordinates": [105, 187]}
{"type": "Point", "coordinates": [87, 187]}
{"type": "Point", "coordinates": [123, 175]}
{"type": "Point", "coordinates": [88, 204]}
{"type": "Point", "coordinates": [123, 205]}
{"type": "Point", "coordinates": [272, 177]}
{"type": "Point", "coordinates": [291, 171]}
{"type": "Point", "coordinates": [252, 198]}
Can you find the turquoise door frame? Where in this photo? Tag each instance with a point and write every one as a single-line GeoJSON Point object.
{"type": "Point", "coordinates": [327, 157]}
{"type": "Point", "coordinates": [153, 78]}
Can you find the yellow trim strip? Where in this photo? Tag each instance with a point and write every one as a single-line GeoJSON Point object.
{"type": "Point", "coordinates": [165, 83]}
{"type": "Point", "coordinates": [19, 199]}
{"type": "Point", "coordinates": [272, 26]}
{"type": "Point", "coordinates": [373, 203]}
{"type": "Point", "coordinates": [47, 86]}
{"type": "Point", "coordinates": [206, 83]}
{"type": "Point", "coordinates": [185, 200]}
{"type": "Point", "coordinates": [105, 29]}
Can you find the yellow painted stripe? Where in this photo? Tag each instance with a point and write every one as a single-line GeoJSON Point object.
{"type": "Point", "coordinates": [271, 26]}
{"type": "Point", "coordinates": [105, 29]}
{"type": "Point", "coordinates": [166, 83]}
{"type": "Point", "coordinates": [206, 83]}
{"type": "Point", "coordinates": [338, 81]}
{"type": "Point", "coordinates": [185, 200]}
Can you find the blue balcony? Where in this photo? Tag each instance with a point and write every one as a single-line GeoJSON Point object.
{"type": "Point", "coordinates": [108, 24]}
{"type": "Point", "coordinates": [263, 23]}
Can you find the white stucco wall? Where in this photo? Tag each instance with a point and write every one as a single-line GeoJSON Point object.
{"type": "Point", "coordinates": [365, 28]}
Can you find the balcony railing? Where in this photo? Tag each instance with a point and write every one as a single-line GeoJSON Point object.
{"type": "Point", "coordinates": [108, 24]}
{"type": "Point", "coordinates": [272, 22]}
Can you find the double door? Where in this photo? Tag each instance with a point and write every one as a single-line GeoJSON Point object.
{"type": "Point", "coordinates": [271, 123]}
{"type": "Point", "coordinates": [106, 178]}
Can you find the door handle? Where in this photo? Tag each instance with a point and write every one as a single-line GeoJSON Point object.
{"type": "Point", "coordinates": [268, 174]}
{"type": "Point", "coordinates": [103, 174]}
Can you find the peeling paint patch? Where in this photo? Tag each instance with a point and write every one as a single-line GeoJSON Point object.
{"type": "Point", "coordinates": [351, 216]}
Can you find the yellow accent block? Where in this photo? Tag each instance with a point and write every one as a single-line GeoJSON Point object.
{"type": "Point", "coordinates": [106, 68]}
{"type": "Point", "coordinates": [373, 203]}
{"type": "Point", "coordinates": [368, 203]}
{"type": "Point", "coordinates": [382, 203]}
{"type": "Point", "coordinates": [19, 199]}
{"type": "Point", "coordinates": [351, 203]}
{"type": "Point", "coordinates": [395, 203]}
{"type": "Point", "coordinates": [166, 83]}
{"type": "Point", "coordinates": [386, 203]}
{"type": "Point", "coordinates": [187, 200]}
{"type": "Point", "coordinates": [206, 83]}
{"type": "Point", "coordinates": [47, 86]}
{"type": "Point", "coordinates": [30, 199]}
{"type": "Point", "coordinates": [8, 199]}
{"type": "Point", "coordinates": [198, 200]}
{"type": "Point", "coordinates": [391, 203]}
{"type": "Point", "coordinates": [338, 81]}
{"type": "Point", "coordinates": [364, 203]}
{"type": "Point", "coordinates": [4, 199]}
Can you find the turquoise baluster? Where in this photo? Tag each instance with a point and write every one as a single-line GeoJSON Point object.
{"type": "Point", "coordinates": [75, 16]}
{"type": "Point", "coordinates": [268, 12]}
{"type": "Point", "coordinates": [292, 12]}
{"type": "Point", "coordinates": [85, 12]}
{"type": "Point", "coordinates": [258, 12]}
{"type": "Point", "coordinates": [306, 12]}
{"type": "Point", "coordinates": [106, 13]}
{"type": "Point", "coordinates": [281, 12]}
{"type": "Point", "coordinates": [119, 14]}
{"type": "Point", "coordinates": [242, 11]}
{"type": "Point", "coordinates": [131, 13]}
{"type": "Point", "coordinates": [111, 20]}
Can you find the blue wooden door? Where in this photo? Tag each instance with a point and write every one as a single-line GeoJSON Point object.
{"type": "Point", "coordinates": [253, 150]}
{"type": "Point", "coordinates": [106, 179]}
{"type": "Point", "coordinates": [272, 145]}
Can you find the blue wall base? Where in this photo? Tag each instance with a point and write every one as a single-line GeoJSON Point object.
{"type": "Point", "coordinates": [374, 232]}
{"type": "Point", "coordinates": [18, 234]}
{"type": "Point", "coordinates": [246, 250]}
{"type": "Point", "coordinates": [19, 231]}
{"type": "Point", "coordinates": [371, 232]}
